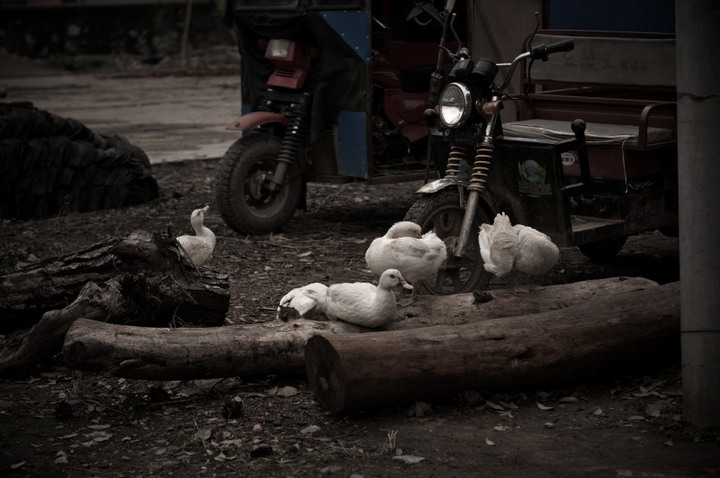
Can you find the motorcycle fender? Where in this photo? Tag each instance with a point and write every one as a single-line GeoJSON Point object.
{"type": "Point", "coordinates": [440, 184]}
{"type": "Point", "coordinates": [256, 118]}
{"type": "Point", "coordinates": [487, 201]}
{"type": "Point", "coordinates": [414, 131]}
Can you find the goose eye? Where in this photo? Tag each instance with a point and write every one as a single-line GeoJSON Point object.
{"type": "Point", "coordinates": [392, 276]}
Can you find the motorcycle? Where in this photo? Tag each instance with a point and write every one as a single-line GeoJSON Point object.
{"type": "Point", "coordinates": [323, 103]}
{"type": "Point", "coordinates": [467, 118]}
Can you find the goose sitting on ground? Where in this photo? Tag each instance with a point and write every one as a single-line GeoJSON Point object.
{"type": "Point", "coordinates": [297, 300]}
{"type": "Point", "coordinates": [199, 247]}
{"type": "Point", "coordinates": [403, 247]}
{"type": "Point", "coordinates": [361, 303]}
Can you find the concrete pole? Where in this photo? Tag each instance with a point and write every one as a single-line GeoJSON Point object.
{"type": "Point", "coordinates": [698, 88]}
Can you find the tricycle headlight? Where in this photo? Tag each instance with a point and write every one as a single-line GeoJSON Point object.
{"type": "Point", "coordinates": [455, 105]}
{"type": "Point", "coordinates": [277, 48]}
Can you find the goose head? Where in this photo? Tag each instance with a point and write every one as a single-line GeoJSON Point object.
{"type": "Point", "coordinates": [392, 278]}
{"type": "Point", "coordinates": [404, 229]}
{"type": "Point", "coordinates": [197, 218]}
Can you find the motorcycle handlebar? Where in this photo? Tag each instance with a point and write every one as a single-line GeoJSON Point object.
{"type": "Point", "coordinates": [541, 52]}
{"type": "Point", "coordinates": [463, 53]}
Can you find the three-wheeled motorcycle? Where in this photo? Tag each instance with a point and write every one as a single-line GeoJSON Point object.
{"type": "Point", "coordinates": [543, 172]}
{"type": "Point", "coordinates": [322, 102]}
{"type": "Point", "coordinates": [331, 91]}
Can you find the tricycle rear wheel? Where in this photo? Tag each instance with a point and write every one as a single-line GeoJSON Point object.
{"type": "Point", "coordinates": [442, 213]}
{"type": "Point", "coordinates": [244, 193]}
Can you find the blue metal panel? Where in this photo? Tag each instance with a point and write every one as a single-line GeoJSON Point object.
{"type": "Point", "coordinates": [353, 27]}
{"type": "Point", "coordinates": [656, 16]}
{"type": "Point", "coordinates": [352, 144]}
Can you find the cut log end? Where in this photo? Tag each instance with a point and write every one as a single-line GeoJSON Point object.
{"type": "Point", "coordinates": [357, 371]}
{"type": "Point", "coordinates": [326, 373]}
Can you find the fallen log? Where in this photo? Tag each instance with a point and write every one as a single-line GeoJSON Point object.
{"type": "Point", "coordinates": [46, 337]}
{"type": "Point", "coordinates": [350, 372]}
{"type": "Point", "coordinates": [152, 259]}
{"type": "Point", "coordinates": [141, 279]}
{"type": "Point", "coordinates": [279, 347]}
{"type": "Point", "coordinates": [460, 309]}
{"type": "Point", "coordinates": [27, 294]}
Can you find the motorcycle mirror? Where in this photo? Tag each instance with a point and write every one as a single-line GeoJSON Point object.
{"type": "Point", "coordinates": [449, 5]}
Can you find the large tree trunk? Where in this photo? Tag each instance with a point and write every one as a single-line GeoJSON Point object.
{"type": "Point", "coordinates": [279, 347]}
{"type": "Point", "coordinates": [141, 279]}
{"type": "Point", "coordinates": [349, 372]}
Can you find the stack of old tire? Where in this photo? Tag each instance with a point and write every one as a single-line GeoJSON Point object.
{"type": "Point", "coordinates": [50, 165]}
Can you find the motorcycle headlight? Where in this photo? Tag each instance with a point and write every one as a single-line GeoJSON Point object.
{"type": "Point", "coordinates": [278, 48]}
{"type": "Point", "coordinates": [455, 105]}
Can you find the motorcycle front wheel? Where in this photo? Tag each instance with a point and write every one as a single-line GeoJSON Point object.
{"type": "Point", "coordinates": [442, 213]}
{"type": "Point", "coordinates": [245, 197]}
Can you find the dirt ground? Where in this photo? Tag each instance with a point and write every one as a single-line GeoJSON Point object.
{"type": "Point", "coordinates": [62, 422]}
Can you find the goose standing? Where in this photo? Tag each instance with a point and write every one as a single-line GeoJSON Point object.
{"type": "Point", "coordinates": [537, 253]}
{"type": "Point", "coordinates": [403, 247]}
{"type": "Point", "coordinates": [361, 303]}
{"type": "Point", "coordinates": [506, 248]}
{"type": "Point", "coordinates": [199, 247]}
{"type": "Point", "coordinates": [498, 245]}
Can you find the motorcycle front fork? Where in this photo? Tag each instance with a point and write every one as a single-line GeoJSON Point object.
{"type": "Point", "coordinates": [481, 167]}
{"type": "Point", "coordinates": [478, 181]}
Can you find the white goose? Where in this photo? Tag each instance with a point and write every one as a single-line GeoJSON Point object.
{"type": "Point", "coordinates": [199, 247]}
{"type": "Point", "coordinates": [403, 247]}
{"type": "Point", "coordinates": [537, 253]}
{"type": "Point", "coordinates": [361, 303]}
{"type": "Point", "coordinates": [505, 248]}
{"type": "Point", "coordinates": [297, 299]}
{"type": "Point", "coordinates": [498, 245]}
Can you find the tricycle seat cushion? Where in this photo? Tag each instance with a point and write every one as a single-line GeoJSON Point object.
{"type": "Point", "coordinates": [595, 133]}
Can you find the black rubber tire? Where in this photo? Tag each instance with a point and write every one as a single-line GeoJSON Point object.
{"type": "Point", "coordinates": [51, 164]}
{"type": "Point", "coordinates": [442, 213]}
{"type": "Point", "coordinates": [255, 210]}
{"type": "Point", "coordinates": [604, 250]}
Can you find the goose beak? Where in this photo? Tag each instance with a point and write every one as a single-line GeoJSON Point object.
{"type": "Point", "coordinates": [405, 285]}
{"type": "Point", "coordinates": [205, 209]}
